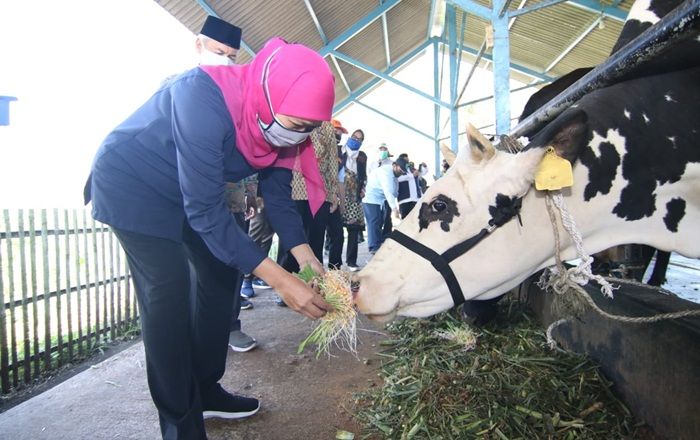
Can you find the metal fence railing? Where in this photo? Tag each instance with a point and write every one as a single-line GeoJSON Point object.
{"type": "Point", "coordinates": [65, 289]}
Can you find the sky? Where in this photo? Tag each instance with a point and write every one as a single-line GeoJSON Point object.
{"type": "Point", "coordinates": [80, 67]}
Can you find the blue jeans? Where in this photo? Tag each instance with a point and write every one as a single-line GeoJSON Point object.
{"type": "Point", "coordinates": [374, 214]}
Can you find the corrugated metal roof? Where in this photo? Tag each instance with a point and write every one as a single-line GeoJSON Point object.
{"type": "Point", "coordinates": [537, 38]}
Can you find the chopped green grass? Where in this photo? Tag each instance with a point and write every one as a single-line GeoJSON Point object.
{"type": "Point", "coordinates": [508, 386]}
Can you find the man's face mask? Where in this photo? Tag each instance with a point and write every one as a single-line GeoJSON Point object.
{"type": "Point", "coordinates": [275, 133]}
{"type": "Point", "coordinates": [383, 155]}
{"type": "Point", "coordinates": [208, 58]}
{"type": "Point", "coordinates": [353, 144]}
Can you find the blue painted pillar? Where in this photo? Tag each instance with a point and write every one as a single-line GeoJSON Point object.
{"type": "Point", "coordinates": [5, 109]}
{"type": "Point", "coordinates": [436, 108]}
{"type": "Point", "coordinates": [451, 19]}
{"type": "Point", "coordinates": [501, 67]}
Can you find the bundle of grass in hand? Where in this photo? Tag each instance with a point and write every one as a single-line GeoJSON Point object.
{"type": "Point", "coordinates": [337, 327]}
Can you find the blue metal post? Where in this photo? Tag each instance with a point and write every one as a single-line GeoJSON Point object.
{"type": "Point", "coordinates": [436, 108]}
{"type": "Point", "coordinates": [501, 67]}
{"type": "Point", "coordinates": [5, 109]}
{"type": "Point", "coordinates": [451, 19]}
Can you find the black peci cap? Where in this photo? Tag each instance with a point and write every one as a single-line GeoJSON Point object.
{"type": "Point", "coordinates": [222, 31]}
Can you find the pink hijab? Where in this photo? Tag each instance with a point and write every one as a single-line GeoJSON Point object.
{"type": "Point", "coordinates": [300, 84]}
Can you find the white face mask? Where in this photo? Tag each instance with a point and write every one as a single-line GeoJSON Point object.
{"type": "Point", "coordinates": [275, 133]}
{"type": "Point", "coordinates": [207, 58]}
{"type": "Point", "coordinates": [280, 136]}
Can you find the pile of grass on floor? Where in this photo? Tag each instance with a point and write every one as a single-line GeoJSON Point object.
{"type": "Point", "coordinates": [505, 385]}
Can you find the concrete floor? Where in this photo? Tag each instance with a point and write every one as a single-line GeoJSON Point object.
{"type": "Point", "coordinates": [301, 397]}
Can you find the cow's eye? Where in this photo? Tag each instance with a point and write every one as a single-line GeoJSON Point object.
{"type": "Point", "coordinates": [438, 206]}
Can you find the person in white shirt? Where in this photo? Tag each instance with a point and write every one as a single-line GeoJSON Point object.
{"type": "Point", "coordinates": [381, 187]}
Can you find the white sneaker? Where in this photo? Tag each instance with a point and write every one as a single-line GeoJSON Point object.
{"type": "Point", "coordinates": [353, 268]}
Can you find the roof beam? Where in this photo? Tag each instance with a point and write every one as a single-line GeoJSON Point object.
{"type": "Point", "coordinates": [391, 118]}
{"type": "Point", "coordinates": [504, 8]}
{"type": "Point", "coordinates": [322, 34]}
{"type": "Point", "coordinates": [358, 26]}
{"type": "Point", "coordinates": [595, 6]}
{"type": "Point", "coordinates": [471, 72]}
{"type": "Point", "coordinates": [209, 10]}
{"type": "Point", "coordinates": [386, 77]}
{"type": "Point", "coordinates": [574, 43]}
{"type": "Point", "coordinates": [374, 81]}
{"type": "Point", "coordinates": [486, 98]}
{"type": "Point", "coordinates": [516, 67]}
{"type": "Point", "coordinates": [536, 7]}
{"type": "Point", "coordinates": [340, 73]}
{"type": "Point", "coordinates": [473, 8]}
{"type": "Point", "coordinates": [312, 13]}
{"type": "Point", "coordinates": [385, 31]}
{"type": "Point", "coordinates": [612, 11]}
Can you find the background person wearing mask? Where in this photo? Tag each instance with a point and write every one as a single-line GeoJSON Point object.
{"type": "Point", "coordinates": [159, 180]}
{"type": "Point", "coordinates": [334, 227]}
{"type": "Point", "coordinates": [383, 159]}
{"type": "Point", "coordinates": [218, 42]}
{"type": "Point", "coordinates": [355, 179]}
{"type": "Point", "coordinates": [381, 188]}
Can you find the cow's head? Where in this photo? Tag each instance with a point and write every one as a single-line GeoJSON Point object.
{"type": "Point", "coordinates": [455, 208]}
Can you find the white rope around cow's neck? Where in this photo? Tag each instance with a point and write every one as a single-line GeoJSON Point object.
{"type": "Point", "coordinates": [558, 277]}
{"type": "Point", "coordinates": [582, 273]}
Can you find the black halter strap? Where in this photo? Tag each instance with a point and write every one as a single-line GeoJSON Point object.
{"type": "Point", "coordinates": [441, 262]}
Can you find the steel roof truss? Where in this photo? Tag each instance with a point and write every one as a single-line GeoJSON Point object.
{"type": "Point", "coordinates": [373, 82]}
{"type": "Point", "coordinates": [386, 77]}
{"type": "Point", "coordinates": [358, 27]}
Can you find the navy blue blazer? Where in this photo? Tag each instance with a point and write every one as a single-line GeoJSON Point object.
{"type": "Point", "coordinates": [169, 162]}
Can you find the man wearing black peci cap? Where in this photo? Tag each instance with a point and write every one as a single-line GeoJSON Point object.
{"type": "Point", "coordinates": [218, 42]}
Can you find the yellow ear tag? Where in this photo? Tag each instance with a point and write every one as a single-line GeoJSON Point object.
{"type": "Point", "coordinates": [553, 172]}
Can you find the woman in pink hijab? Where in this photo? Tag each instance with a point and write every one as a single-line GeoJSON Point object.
{"type": "Point", "coordinates": [158, 180]}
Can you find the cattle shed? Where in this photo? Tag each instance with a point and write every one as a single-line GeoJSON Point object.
{"type": "Point", "coordinates": [366, 42]}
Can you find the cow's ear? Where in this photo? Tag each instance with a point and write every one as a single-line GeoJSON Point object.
{"type": "Point", "coordinates": [480, 148]}
{"type": "Point", "coordinates": [568, 134]}
{"type": "Point", "coordinates": [448, 154]}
